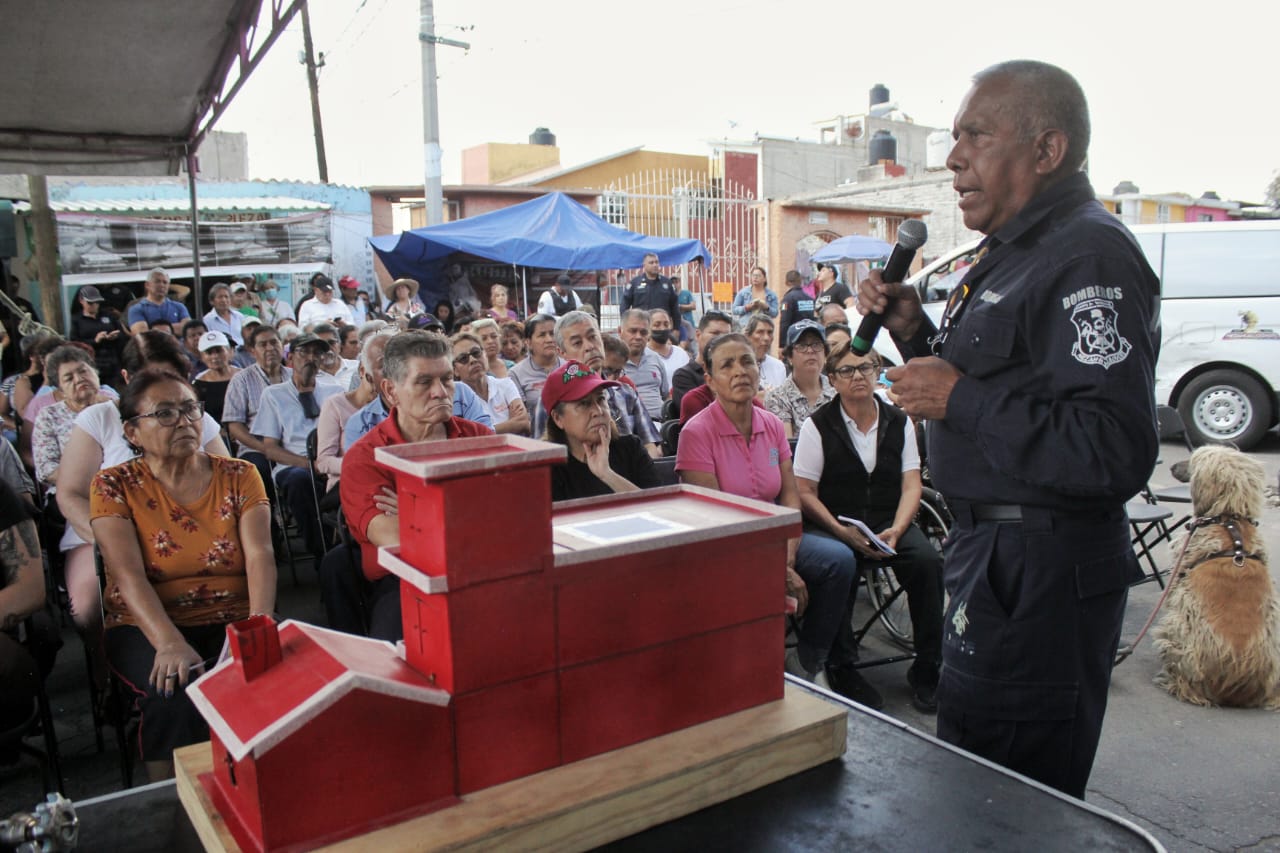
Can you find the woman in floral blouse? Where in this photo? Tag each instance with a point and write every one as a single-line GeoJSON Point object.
{"type": "Point", "coordinates": [185, 538]}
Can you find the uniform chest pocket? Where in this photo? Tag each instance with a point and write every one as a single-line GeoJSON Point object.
{"type": "Point", "coordinates": [984, 343]}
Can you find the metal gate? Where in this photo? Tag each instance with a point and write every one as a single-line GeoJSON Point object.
{"type": "Point", "coordinates": [686, 204]}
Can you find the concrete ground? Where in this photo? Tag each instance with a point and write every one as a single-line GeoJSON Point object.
{"type": "Point", "coordinates": [1196, 778]}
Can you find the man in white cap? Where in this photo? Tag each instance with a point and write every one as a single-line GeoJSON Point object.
{"type": "Point", "coordinates": [324, 307]}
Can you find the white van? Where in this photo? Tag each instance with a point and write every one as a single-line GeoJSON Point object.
{"type": "Point", "coordinates": [1220, 312]}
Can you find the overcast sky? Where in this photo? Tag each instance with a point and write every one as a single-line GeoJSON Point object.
{"type": "Point", "coordinates": [1181, 96]}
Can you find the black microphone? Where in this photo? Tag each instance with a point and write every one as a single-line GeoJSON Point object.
{"type": "Point", "coordinates": [912, 234]}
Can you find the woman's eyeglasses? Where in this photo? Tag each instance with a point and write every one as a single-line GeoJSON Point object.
{"type": "Point", "coordinates": [466, 357]}
{"type": "Point", "coordinates": [192, 410]}
{"type": "Point", "coordinates": [812, 346]}
{"type": "Point", "coordinates": [868, 370]}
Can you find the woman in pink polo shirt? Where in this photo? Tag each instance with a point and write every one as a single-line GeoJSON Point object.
{"type": "Point", "coordinates": [739, 448]}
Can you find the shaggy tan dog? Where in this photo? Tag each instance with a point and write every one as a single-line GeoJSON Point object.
{"type": "Point", "coordinates": [1220, 636]}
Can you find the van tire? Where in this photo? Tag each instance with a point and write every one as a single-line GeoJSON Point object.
{"type": "Point", "coordinates": [1225, 407]}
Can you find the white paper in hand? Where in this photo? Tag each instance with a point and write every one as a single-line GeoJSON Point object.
{"type": "Point", "coordinates": [875, 540]}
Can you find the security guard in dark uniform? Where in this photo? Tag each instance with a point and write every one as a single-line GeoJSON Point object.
{"type": "Point", "coordinates": [651, 291]}
{"type": "Point", "coordinates": [1041, 425]}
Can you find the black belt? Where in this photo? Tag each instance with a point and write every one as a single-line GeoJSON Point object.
{"type": "Point", "coordinates": [994, 512]}
{"type": "Point", "coordinates": [973, 512]}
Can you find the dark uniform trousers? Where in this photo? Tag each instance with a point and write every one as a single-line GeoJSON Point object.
{"type": "Point", "coordinates": [1054, 586]}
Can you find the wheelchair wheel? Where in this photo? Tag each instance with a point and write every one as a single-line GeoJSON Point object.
{"type": "Point", "coordinates": [933, 519]}
{"type": "Point", "coordinates": [891, 603]}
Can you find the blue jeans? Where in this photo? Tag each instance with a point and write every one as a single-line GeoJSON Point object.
{"type": "Point", "coordinates": [830, 572]}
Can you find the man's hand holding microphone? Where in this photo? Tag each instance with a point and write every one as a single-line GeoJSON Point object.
{"type": "Point", "coordinates": [922, 385]}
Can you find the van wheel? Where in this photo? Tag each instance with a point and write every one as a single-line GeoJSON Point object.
{"type": "Point", "coordinates": [1225, 407]}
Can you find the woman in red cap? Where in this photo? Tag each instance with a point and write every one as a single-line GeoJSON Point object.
{"type": "Point", "coordinates": [601, 462]}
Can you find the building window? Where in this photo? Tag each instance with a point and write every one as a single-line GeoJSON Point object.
{"type": "Point", "coordinates": [1162, 213]}
{"type": "Point", "coordinates": [452, 210]}
{"type": "Point", "coordinates": [1119, 208]}
{"type": "Point", "coordinates": [1204, 217]}
{"type": "Point", "coordinates": [613, 208]}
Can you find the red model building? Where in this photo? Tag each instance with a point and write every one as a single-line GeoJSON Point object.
{"type": "Point", "coordinates": [581, 628]}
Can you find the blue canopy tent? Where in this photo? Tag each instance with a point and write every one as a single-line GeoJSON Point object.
{"type": "Point", "coordinates": [855, 247]}
{"type": "Point", "coordinates": [551, 232]}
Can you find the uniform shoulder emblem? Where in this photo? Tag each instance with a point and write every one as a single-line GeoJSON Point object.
{"type": "Point", "coordinates": [1098, 338]}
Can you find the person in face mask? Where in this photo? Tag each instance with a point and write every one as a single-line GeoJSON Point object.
{"type": "Point", "coordinates": [271, 307]}
{"type": "Point", "coordinates": [664, 341]}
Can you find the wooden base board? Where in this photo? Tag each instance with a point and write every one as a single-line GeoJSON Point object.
{"type": "Point", "coordinates": [591, 802]}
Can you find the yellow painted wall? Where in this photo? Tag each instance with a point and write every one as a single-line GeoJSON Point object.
{"type": "Point", "coordinates": [501, 160]}
{"type": "Point", "coordinates": [600, 175]}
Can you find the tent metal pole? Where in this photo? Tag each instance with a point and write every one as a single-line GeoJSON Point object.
{"type": "Point", "coordinates": [197, 290]}
{"type": "Point", "coordinates": [524, 287]}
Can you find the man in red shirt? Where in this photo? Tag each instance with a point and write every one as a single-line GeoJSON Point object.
{"type": "Point", "coordinates": [417, 371]}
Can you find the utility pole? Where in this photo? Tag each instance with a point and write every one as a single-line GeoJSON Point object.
{"type": "Point", "coordinates": [432, 154]}
{"type": "Point", "coordinates": [310, 61]}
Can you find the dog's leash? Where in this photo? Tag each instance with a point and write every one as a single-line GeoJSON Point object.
{"type": "Point", "coordinates": [1237, 553]}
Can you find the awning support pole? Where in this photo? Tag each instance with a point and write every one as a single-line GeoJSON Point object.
{"type": "Point", "coordinates": [197, 290]}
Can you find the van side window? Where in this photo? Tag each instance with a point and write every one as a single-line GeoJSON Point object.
{"type": "Point", "coordinates": [1220, 264]}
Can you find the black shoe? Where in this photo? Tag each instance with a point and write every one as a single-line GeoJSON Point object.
{"type": "Point", "coordinates": [849, 683]}
{"type": "Point", "coordinates": [924, 691]}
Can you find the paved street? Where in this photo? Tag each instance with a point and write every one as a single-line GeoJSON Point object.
{"type": "Point", "coordinates": [1196, 778]}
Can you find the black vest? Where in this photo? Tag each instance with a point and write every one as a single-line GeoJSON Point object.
{"type": "Point", "coordinates": [846, 488]}
{"type": "Point", "coordinates": [562, 304]}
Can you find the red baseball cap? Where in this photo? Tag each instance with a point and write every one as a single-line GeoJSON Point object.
{"type": "Point", "coordinates": [571, 381]}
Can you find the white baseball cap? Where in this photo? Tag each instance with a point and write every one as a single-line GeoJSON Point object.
{"type": "Point", "coordinates": [210, 340]}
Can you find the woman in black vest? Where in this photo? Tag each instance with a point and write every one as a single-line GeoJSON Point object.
{"type": "Point", "coordinates": [857, 458]}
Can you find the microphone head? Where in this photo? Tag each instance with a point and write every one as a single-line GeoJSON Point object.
{"type": "Point", "coordinates": [912, 234]}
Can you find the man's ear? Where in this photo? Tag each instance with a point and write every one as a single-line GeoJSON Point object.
{"type": "Point", "coordinates": [388, 389]}
{"type": "Point", "coordinates": [1051, 150]}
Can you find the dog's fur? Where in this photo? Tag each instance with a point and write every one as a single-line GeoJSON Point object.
{"type": "Point", "coordinates": [1220, 636]}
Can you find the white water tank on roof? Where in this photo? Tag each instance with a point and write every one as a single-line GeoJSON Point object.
{"type": "Point", "coordinates": [937, 147]}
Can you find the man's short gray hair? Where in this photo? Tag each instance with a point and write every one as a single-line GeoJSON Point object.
{"type": "Point", "coordinates": [1047, 98]}
{"type": "Point", "coordinates": [484, 323]}
{"type": "Point", "coordinates": [409, 345]}
{"type": "Point", "coordinates": [216, 289]}
{"type": "Point", "coordinates": [158, 272]}
{"type": "Point", "coordinates": [634, 314]}
{"type": "Point", "coordinates": [367, 329]}
{"type": "Point", "coordinates": [573, 318]}
{"type": "Point", "coordinates": [324, 328]}
{"type": "Point", "coordinates": [756, 319]}
{"type": "Point", "coordinates": [366, 357]}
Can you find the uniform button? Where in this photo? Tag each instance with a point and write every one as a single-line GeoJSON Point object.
{"type": "Point", "coordinates": [975, 340]}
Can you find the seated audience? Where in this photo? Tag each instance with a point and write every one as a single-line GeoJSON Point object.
{"type": "Point", "coordinates": [740, 448]}
{"type": "Point", "coordinates": [287, 414]}
{"type": "Point", "coordinates": [712, 325]}
{"type": "Point", "coordinates": [857, 458]}
{"type": "Point", "coordinates": [837, 334]}
{"type": "Point", "coordinates": [339, 408]}
{"type": "Point", "coordinates": [21, 595]}
{"type": "Point", "coordinates": [499, 395]}
{"type": "Point", "coordinates": [490, 336]}
{"type": "Point", "coordinates": [513, 348]}
{"type": "Point", "coordinates": [644, 367]}
{"type": "Point", "coordinates": [531, 371]}
{"type": "Point", "coordinates": [418, 383]}
{"type": "Point", "coordinates": [601, 461]}
{"type": "Point", "coordinates": [759, 330]}
{"type": "Point", "coordinates": [186, 546]}
{"type": "Point", "coordinates": [98, 441]}
{"type": "Point", "coordinates": [211, 384]}
{"type": "Point", "coordinates": [664, 343]}
{"type": "Point", "coordinates": [806, 388]}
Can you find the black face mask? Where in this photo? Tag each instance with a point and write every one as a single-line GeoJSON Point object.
{"type": "Point", "coordinates": [661, 336]}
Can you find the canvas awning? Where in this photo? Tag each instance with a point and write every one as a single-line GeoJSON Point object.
{"type": "Point", "coordinates": [126, 87]}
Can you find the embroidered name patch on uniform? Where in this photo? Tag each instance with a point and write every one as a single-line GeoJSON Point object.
{"type": "Point", "coordinates": [1098, 338]}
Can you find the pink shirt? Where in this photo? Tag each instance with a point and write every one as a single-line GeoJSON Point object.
{"type": "Point", "coordinates": [333, 415]}
{"type": "Point", "coordinates": [710, 443]}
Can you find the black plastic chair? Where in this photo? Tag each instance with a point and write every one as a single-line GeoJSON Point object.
{"type": "Point", "coordinates": [669, 431]}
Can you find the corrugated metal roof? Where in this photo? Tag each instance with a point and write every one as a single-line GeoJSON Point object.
{"type": "Point", "coordinates": [136, 206]}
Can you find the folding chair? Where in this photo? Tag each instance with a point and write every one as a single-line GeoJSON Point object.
{"type": "Point", "coordinates": [670, 433]}
{"type": "Point", "coordinates": [1150, 520]}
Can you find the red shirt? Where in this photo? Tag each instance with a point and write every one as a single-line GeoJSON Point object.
{"type": "Point", "coordinates": [698, 399]}
{"type": "Point", "coordinates": [363, 478]}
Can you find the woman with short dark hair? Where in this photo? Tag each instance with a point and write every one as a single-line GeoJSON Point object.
{"type": "Point", "coordinates": [186, 546]}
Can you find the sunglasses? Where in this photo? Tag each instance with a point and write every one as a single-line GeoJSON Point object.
{"type": "Point", "coordinates": [192, 410]}
{"type": "Point", "coordinates": [468, 356]}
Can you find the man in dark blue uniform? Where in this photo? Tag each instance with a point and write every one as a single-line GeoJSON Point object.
{"type": "Point", "coordinates": [651, 290]}
{"type": "Point", "coordinates": [1041, 425]}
